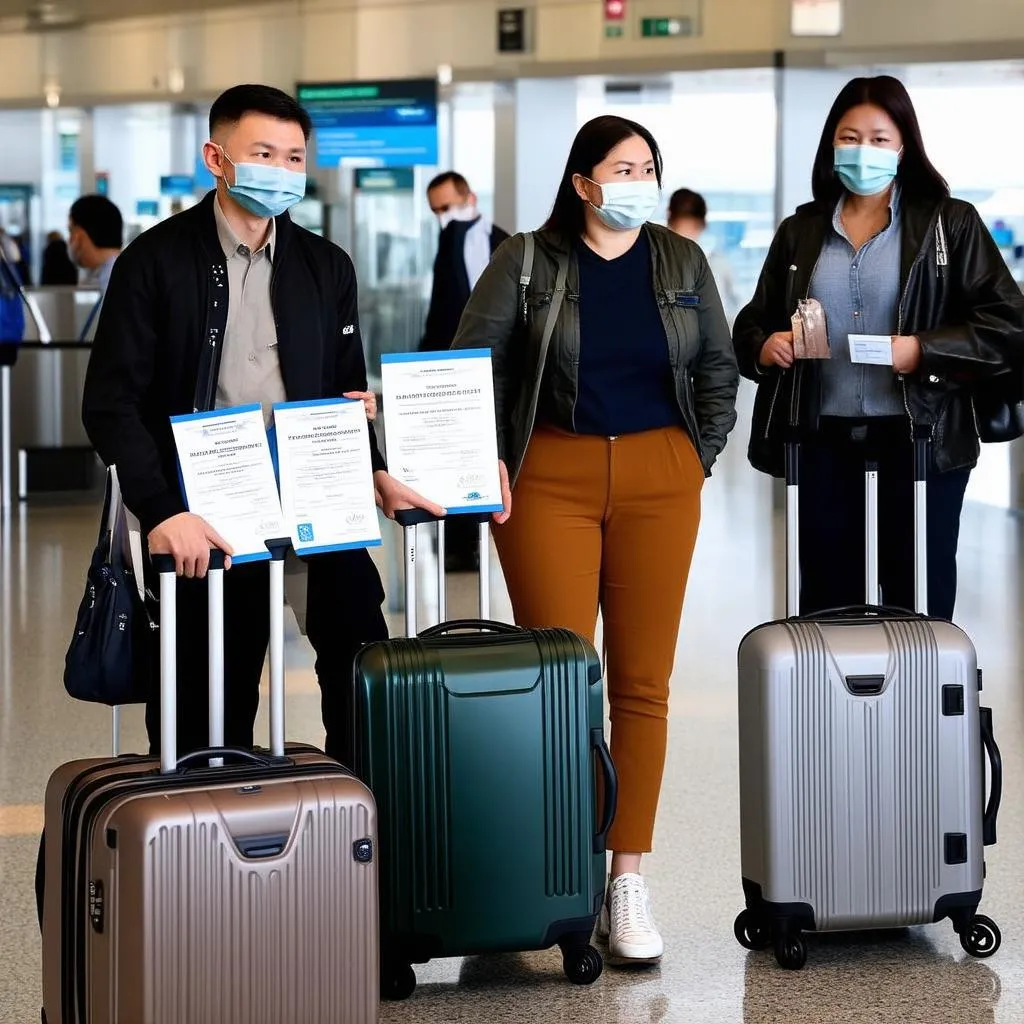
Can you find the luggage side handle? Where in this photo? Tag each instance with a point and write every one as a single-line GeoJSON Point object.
{"type": "Point", "coordinates": [611, 789]}
{"type": "Point", "coordinates": [995, 796]}
{"type": "Point", "coordinates": [474, 625]}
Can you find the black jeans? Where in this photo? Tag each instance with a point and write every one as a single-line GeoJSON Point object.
{"type": "Point", "coordinates": [344, 597]}
{"type": "Point", "coordinates": [832, 525]}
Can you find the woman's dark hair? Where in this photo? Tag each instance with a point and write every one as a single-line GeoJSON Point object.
{"type": "Point", "coordinates": [917, 177]}
{"type": "Point", "coordinates": [593, 142]}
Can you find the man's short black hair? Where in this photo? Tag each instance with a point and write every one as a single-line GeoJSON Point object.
{"type": "Point", "coordinates": [687, 203]}
{"type": "Point", "coordinates": [230, 107]}
{"type": "Point", "coordinates": [456, 179]}
{"type": "Point", "coordinates": [100, 219]}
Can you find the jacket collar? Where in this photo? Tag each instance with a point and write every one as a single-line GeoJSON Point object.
{"type": "Point", "coordinates": [203, 210]}
{"type": "Point", "coordinates": [917, 223]}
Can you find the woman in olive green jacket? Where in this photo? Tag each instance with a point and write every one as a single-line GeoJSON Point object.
{"type": "Point", "coordinates": [615, 386]}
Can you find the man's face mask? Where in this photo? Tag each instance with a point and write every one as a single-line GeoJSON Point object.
{"type": "Point", "coordinates": [265, 190]}
{"type": "Point", "coordinates": [462, 213]}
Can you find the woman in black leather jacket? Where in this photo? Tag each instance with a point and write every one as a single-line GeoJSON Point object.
{"type": "Point", "coordinates": [889, 255]}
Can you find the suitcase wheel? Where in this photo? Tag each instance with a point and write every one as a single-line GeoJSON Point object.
{"type": "Point", "coordinates": [582, 964]}
{"type": "Point", "coordinates": [981, 938]}
{"type": "Point", "coordinates": [752, 931]}
{"type": "Point", "coordinates": [397, 980]}
{"type": "Point", "coordinates": [790, 950]}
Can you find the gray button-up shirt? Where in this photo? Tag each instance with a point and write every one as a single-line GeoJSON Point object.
{"type": "Point", "coordinates": [250, 370]}
{"type": "Point", "coordinates": [860, 293]}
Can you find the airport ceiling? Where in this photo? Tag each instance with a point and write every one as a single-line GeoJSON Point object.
{"type": "Point", "coordinates": [42, 15]}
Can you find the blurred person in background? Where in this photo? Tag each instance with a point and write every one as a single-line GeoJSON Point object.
{"type": "Point", "coordinates": [688, 216]}
{"type": "Point", "coordinates": [57, 266]}
{"type": "Point", "coordinates": [888, 254]}
{"type": "Point", "coordinates": [95, 238]}
{"type": "Point", "coordinates": [12, 310]}
{"type": "Point", "coordinates": [467, 242]}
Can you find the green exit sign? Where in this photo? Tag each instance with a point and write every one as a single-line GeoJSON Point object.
{"type": "Point", "coordinates": [660, 28]}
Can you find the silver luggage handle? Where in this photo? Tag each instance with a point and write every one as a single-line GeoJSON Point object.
{"type": "Point", "coordinates": [164, 565]}
{"type": "Point", "coordinates": [411, 518]}
{"type": "Point", "coordinates": [922, 456]}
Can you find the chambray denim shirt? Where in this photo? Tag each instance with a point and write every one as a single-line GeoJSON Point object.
{"type": "Point", "coordinates": [860, 293]}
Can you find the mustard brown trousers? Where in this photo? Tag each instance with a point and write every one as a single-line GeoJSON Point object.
{"type": "Point", "coordinates": [610, 524]}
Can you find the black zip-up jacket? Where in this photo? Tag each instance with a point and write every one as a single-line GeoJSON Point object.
{"type": "Point", "coordinates": [956, 296]}
{"type": "Point", "coordinates": [158, 344]}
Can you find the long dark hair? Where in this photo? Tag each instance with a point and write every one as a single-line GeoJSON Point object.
{"type": "Point", "coordinates": [593, 142]}
{"type": "Point", "coordinates": [917, 176]}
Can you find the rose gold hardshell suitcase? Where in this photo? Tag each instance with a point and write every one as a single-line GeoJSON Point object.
{"type": "Point", "coordinates": [211, 890]}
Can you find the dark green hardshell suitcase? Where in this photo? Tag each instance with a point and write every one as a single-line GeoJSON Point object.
{"type": "Point", "coordinates": [484, 747]}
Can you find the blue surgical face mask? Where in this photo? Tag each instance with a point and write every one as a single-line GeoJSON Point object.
{"type": "Point", "coordinates": [626, 205]}
{"type": "Point", "coordinates": [866, 170]}
{"type": "Point", "coordinates": [263, 189]}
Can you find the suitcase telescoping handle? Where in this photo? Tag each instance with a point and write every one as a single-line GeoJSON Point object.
{"type": "Point", "coordinates": [164, 565]}
{"type": "Point", "coordinates": [411, 518]}
{"type": "Point", "coordinates": [611, 789]}
{"type": "Point", "coordinates": [872, 596]}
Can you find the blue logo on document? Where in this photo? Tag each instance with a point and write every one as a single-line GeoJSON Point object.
{"type": "Point", "coordinates": [474, 496]}
{"type": "Point", "coordinates": [306, 533]}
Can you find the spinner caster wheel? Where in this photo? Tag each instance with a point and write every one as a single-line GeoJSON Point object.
{"type": "Point", "coordinates": [981, 938]}
{"type": "Point", "coordinates": [752, 931]}
{"type": "Point", "coordinates": [582, 966]}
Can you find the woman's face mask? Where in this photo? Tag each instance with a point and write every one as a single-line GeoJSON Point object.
{"type": "Point", "coordinates": [866, 170]}
{"type": "Point", "coordinates": [627, 205]}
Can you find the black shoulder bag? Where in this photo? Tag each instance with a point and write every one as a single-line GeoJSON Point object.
{"type": "Point", "coordinates": [110, 656]}
{"type": "Point", "coordinates": [998, 401]}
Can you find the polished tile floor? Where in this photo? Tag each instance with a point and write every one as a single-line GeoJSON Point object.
{"type": "Point", "coordinates": [918, 976]}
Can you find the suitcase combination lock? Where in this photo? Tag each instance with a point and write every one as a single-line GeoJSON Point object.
{"type": "Point", "coordinates": [362, 850]}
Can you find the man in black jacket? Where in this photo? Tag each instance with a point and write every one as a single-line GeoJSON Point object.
{"type": "Point", "coordinates": [225, 304]}
{"type": "Point", "coordinates": [467, 242]}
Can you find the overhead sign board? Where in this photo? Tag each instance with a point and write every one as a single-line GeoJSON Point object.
{"type": "Point", "coordinates": [373, 124]}
{"type": "Point", "coordinates": [512, 30]}
{"type": "Point", "coordinates": [816, 17]}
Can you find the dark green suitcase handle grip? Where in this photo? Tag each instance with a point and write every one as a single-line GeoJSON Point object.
{"type": "Point", "coordinates": [611, 789]}
{"type": "Point", "coordinates": [471, 625]}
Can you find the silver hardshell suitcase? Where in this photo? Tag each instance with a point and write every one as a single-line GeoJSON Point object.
{"type": "Point", "coordinates": [862, 762]}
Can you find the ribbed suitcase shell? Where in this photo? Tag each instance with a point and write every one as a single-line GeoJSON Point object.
{"type": "Point", "coordinates": [170, 923]}
{"type": "Point", "coordinates": [479, 752]}
{"type": "Point", "coordinates": [846, 800]}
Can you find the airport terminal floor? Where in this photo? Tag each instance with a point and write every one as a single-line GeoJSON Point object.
{"type": "Point", "coordinates": [919, 975]}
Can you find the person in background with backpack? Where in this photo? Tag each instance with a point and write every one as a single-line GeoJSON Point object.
{"type": "Point", "coordinates": [605, 438]}
{"type": "Point", "coordinates": [889, 255]}
{"type": "Point", "coordinates": [12, 310]}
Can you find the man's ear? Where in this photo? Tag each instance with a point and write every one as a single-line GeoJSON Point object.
{"type": "Point", "coordinates": [213, 158]}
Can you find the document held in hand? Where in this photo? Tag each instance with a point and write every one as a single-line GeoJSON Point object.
{"type": "Point", "coordinates": [440, 427]}
{"type": "Point", "coordinates": [228, 477]}
{"type": "Point", "coordinates": [326, 475]}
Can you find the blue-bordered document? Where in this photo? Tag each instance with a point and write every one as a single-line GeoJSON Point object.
{"type": "Point", "coordinates": [326, 475]}
{"type": "Point", "coordinates": [228, 477]}
{"type": "Point", "coordinates": [441, 438]}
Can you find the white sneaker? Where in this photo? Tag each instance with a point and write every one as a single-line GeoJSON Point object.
{"type": "Point", "coordinates": [633, 936]}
